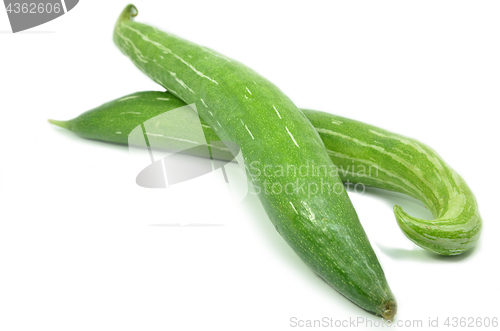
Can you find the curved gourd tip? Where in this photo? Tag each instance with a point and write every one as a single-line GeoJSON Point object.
{"type": "Point", "coordinates": [430, 236]}
{"type": "Point", "coordinates": [389, 310]}
{"type": "Point", "coordinates": [62, 124]}
{"type": "Point", "coordinates": [444, 236]}
{"type": "Point", "coordinates": [129, 12]}
{"type": "Point", "coordinates": [411, 227]}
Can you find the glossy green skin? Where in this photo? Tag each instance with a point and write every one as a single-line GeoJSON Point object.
{"type": "Point", "coordinates": [363, 153]}
{"type": "Point", "coordinates": [244, 108]}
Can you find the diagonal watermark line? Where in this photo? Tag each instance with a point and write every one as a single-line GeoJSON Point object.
{"type": "Point", "coordinates": [147, 143]}
{"type": "Point", "coordinates": [64, 6]}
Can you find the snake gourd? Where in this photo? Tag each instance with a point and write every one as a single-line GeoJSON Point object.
{"type": "Point", "coordinates": [244, 108]}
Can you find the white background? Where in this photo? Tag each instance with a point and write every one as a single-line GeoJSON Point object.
{"type": "Point", "coordinates": [78, 245]}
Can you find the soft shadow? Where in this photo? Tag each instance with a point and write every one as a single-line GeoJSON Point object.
{"type": "Point", "coordinates": [421, 255]}
{"type": "Point", "coordinates": [72, 136]}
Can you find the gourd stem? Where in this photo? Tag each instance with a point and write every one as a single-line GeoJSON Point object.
{"type": "Point", "coordinates": [62, 124]}
{"type": "Point", "coordinates": [129, 12]}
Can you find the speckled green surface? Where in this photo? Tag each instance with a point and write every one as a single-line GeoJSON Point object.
{"type": "Point", "coordinates": [243, 107]}
{"type": "Point", "coordinates": [405, 165]}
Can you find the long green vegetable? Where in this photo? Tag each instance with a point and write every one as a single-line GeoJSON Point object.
{"type": "Point", "coordinates": [408, 166]}
{"type": "Point", "coordinates": [363, 153]}
{"type": "Point", "coordinates": [244, 108]}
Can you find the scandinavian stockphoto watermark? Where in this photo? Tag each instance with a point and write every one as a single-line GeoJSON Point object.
{"type": "Point", "coordinates": [170, 141]}
{"type": "Point", "coordinates": [172, 148]}
{"type": "Point", "coordinates": [25, 15]}
{"type": "Point", "coordinates": [295, 178]}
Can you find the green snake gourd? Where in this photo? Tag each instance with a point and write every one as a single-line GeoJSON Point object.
{"type": "Point", "coordinates": [244, 108]}
{"type": "Point", "coordinates": [407, 166]}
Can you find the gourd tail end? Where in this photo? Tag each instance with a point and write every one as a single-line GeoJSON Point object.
{"type": "Point", "coordinates": [389, 310]}
{"type": "Point", "coordinates": [62, 124]}
{"type": "Point", "coordinates": [426, 234]}
{"type": "Point", "coordinates": [412, 227]}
